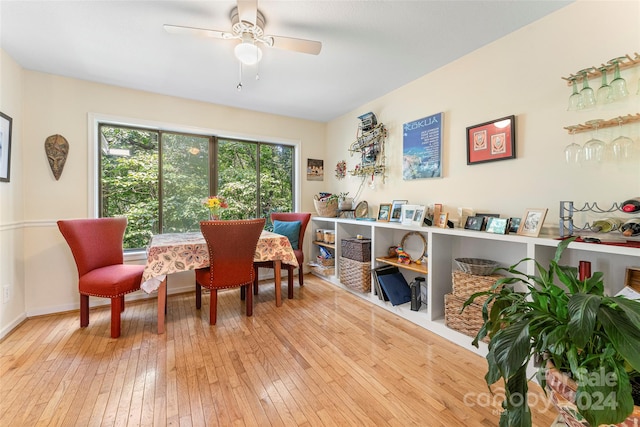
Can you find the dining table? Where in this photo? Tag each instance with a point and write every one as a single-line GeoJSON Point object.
{"type": "Point", "coordinates": [176, 252]}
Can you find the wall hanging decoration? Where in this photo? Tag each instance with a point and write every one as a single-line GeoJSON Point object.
{"type": "Point", "coordinates": [57, 149]}
{"type": "Point", "coordinates": [315, 170]}
{"type": "Point", "coordinates": [422, 148]}
{"type": "Point", "coordinates": [5, 146]}
{"type": "Point", "coordinates": [369, 145]}
{"type": "Point", "coordinates": [490, 141]}
{"type": "Point", "coordinates": [341, 169]}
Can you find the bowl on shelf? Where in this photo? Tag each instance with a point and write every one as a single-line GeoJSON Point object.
{"type": "Point", "coordinates": [477, 266]}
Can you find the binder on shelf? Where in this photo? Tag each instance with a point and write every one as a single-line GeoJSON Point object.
{"type": "Point", "coordinates": [396, 288]}
{"type": "Point", "coordinates": [381, 271]}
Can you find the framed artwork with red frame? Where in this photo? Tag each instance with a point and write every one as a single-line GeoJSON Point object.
{"type": "Point", "coordinates": [491, 141]}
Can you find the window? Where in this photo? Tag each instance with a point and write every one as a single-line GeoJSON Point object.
{"type": "Point", "coordinates": [158, 179]}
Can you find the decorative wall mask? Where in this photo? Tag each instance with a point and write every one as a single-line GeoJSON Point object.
{"type": "Point", "coordinates": [57, 149]}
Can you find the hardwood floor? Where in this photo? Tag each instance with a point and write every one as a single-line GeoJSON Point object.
{"type": "Point", "coordinates": [323, 358]}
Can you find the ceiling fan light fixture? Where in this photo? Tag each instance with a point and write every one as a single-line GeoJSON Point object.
{"type": "Point", "coordinates": [248, 53]}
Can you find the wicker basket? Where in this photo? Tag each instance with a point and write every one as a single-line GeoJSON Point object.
{"type": "Point", "coordinates": [327, 209]}
{"type": "Point", "coordinates": [323, 271]}
{"type": "Point", "coordinates": [356, 249]}
{"type": "Point", "coordinates": [477, 266]}
{"type": "Point", "coordinates": [326, 262]}
{"type": "Point", "coordinates": [465, 284]}
{"type": "Point", "coordinates": [355, 275]}
{"type": "Point", "coordinates": [468, 322]}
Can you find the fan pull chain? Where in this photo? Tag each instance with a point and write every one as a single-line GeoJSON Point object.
{"type": "Point", "coordinates": [239, 87]}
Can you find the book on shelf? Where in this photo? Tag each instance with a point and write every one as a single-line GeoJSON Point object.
{"type": "Point", "coordinates": [381, 271]}
{"type": "Point", "coordinates": [395, 286]}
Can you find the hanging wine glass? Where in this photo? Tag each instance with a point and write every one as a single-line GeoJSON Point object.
{"type": "Point", "coordinates": [588, 97]}
{"type": "Point", "coordinates": [622, 146]}
{"type": "Point", "coordinates": [618, 84]}
{"type": "Point", "coordinates": [605, 93]}
{"type": "Point", "coordinates": [573, 151]}
{"type": "Point", "coordinates": [575, 100]}
{"type": "Point", "coordinates": [594, 148]}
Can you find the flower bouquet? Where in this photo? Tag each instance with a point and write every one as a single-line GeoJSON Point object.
{"type": "Point", "coordinates": [215, 205]}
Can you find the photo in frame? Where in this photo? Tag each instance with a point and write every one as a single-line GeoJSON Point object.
{"type": "Point", "coordinates": [532, 222]}
{"type": "Point", "coordinates": [514, 224]}
{"type": "Point", "coordinates": [408, 211]}
{"type": "Point", "coordinates": [418, 215]}
{"type": "Point", "coordinates": [396, 210]}
{"type": "Point", "coordinates": [443, 219]}
{"type": "Point", "coordinates": [474, 223]}
{"type": "Point", "coordinates": [497, 225]}
{"type": "Point", "coordinates": [315, 170]}
{"type": "Point", "coordinates": [491, 141]}
{"type": "Point", "coordinates": [6, 123]}
{"type": "Point", "coordinates": [384, 212]}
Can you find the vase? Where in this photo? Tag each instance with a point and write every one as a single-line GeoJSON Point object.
{"type": "Point", "coordinates": [214, 217]}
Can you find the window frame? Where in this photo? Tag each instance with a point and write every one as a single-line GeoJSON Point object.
{"type": "Point", "coordinates": [93, 169]}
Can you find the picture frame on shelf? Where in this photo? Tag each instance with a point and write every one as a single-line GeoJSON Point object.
{"type": "Point", "coordinates": [418, 215]}
{"type": "Point", "coordinates": [474, 223]}
{"type": "Point", "coordinates": [514, 224]}
{"type": "Point", "coordinates": [437, 210]}
{"type": "Point", "coordinates": [384, 212]}
{"type": "Point", "coordinates": [491, 141]}
{"type": "Point", "coordinates": [532, 222]}
{"type": "Point", "coordinates": [396, 210]}
{"type": "Point", "coordinates": [443, 219]}
{"type": "Point", "coordinates": [6, 123]}
{"type": "Point", "coordinates": [497, 225]}
{"type": "Point", "coordinates": [408, 211]}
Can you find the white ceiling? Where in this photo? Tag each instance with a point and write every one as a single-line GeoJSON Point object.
{"type": "Point", "coordinates": [369, 48]}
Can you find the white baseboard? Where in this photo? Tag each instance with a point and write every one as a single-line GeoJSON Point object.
{"type": "Point", "coordinates": [12, 325]}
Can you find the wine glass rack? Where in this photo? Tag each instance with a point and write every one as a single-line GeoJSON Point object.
{"type": "Point", "coordinates": [616, 121]}
{"type": "Point", "coordinates": [370, 146]}
{"type": "Point", "coordinates": [567, 209]}
{"type": "Point", "coordinates": [628, 62]}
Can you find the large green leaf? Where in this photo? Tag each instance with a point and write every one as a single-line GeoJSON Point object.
{"type": "Point", "coordinates": [516, 405]}
{"type": "Point", "coordinates": [624, 336]}
{"type": "Point", "coordinates": [583, 309]}
{"type": "Point", "coordinates": [512, 348]}
{"type": "Point", "coordinates": [630, 307]}
{"type": "Point", "coordinates": [604, 395]}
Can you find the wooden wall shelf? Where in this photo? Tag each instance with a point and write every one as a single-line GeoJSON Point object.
{"type": "Point", "coordinates": [418, 268]}
{"type": "Point", "coordinates": [628, 62]}
{"type": "Point", "coordinates": [616, 121]}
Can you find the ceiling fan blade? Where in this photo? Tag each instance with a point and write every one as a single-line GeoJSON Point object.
{"type": "Point", "coordinates": [297, 45]}
{"type": "Point", "coordinates": [202, 32]}
{"type": "Point", "coordinates": [248, 10]}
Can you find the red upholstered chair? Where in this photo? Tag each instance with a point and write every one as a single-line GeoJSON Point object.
{"type": "Point", "coordinates": [232, 248]}
{"type": "Point", "coordinates": [288, 217]}
{"type": "Point", "coordinates": [96, 245]}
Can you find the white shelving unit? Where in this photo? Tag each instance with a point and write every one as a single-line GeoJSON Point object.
{"type": "Point", "coordinates": [444, 245]}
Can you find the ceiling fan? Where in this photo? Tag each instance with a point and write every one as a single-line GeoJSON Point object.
{"type": "Point", "coordinates": [247, 26]}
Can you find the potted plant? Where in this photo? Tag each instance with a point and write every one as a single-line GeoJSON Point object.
{"type": "Point", "coordinates": [577, 329]}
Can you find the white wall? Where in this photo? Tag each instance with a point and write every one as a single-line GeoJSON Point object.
{"type": "Point", "coordinates": [521, 75]}
{"type": "Point", "coordinates": [12, 311]}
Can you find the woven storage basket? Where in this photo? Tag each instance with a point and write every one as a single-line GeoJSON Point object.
{"type": "Point", "coordinates": [323, 271]}
{"type": "Point", "coordinates": [355, 275]}
{"type": "Point", "coordinates": [326, 262]}
{"type": "Point", "coordinates": [468, 322]}
{"type": "Point", "coordinates": [477, 266]}
{"type": "Point", "coordinates": [356, 249]}
{"type": "Point", "coordinates": [328, 209]}
{"type": "Point", "coordinates": [465, 284]}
